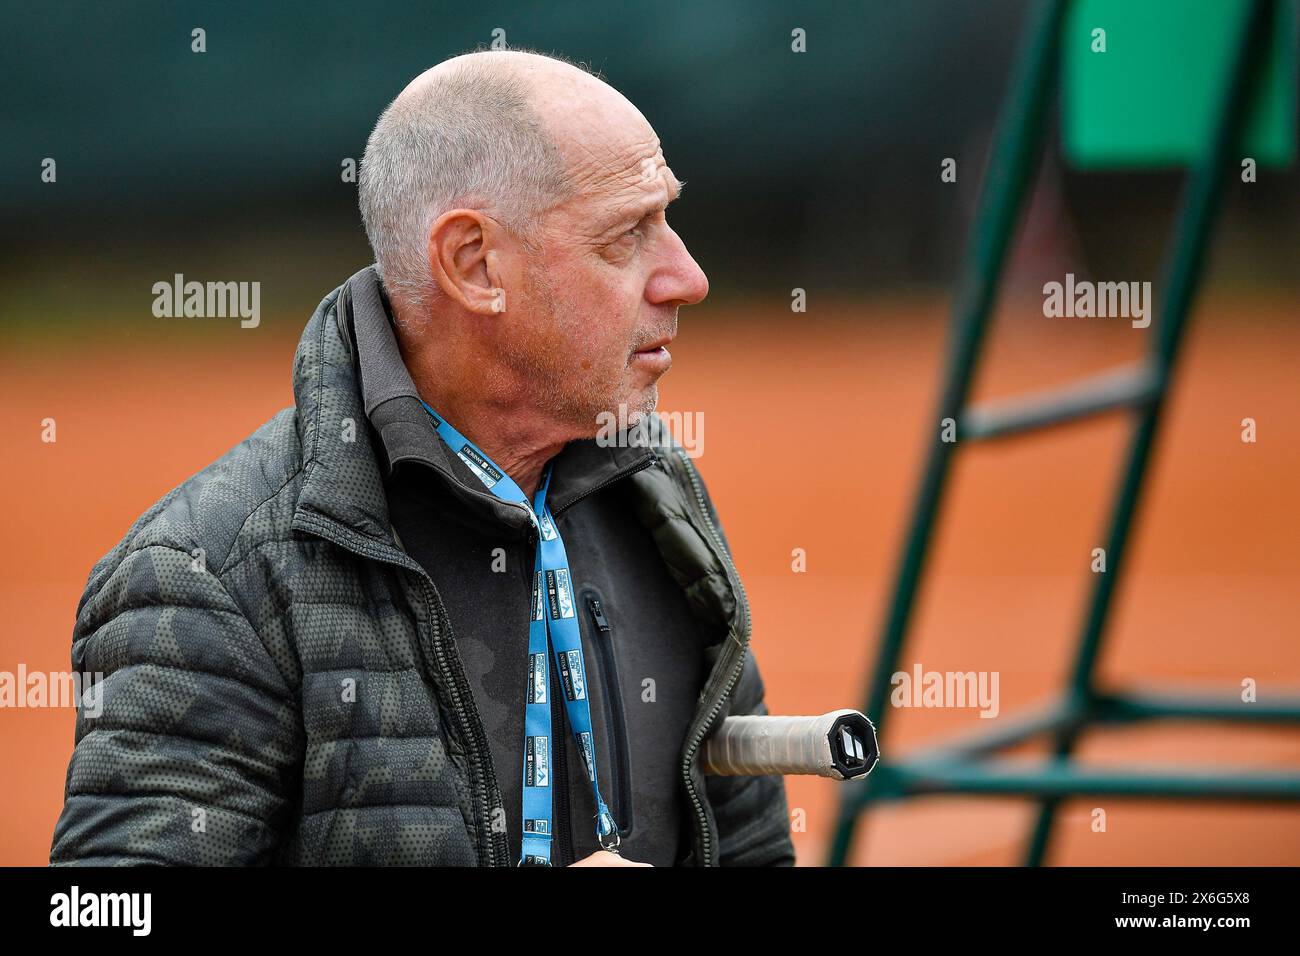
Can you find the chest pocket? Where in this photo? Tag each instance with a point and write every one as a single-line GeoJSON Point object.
{"type": "Point", "coordinates": [600, 645]}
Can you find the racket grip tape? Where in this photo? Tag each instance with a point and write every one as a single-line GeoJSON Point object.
{"type": "Point", "coordinates": [840, 745]}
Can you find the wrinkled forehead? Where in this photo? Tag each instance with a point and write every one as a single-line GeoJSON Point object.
{"type": "Point", "coordinates": [610, 150]}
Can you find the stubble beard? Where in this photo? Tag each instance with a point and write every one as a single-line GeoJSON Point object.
{"type": "Point", "coordinates": [562, 389]}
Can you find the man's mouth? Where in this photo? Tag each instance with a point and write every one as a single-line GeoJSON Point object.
{"type": "Point", "coordinates": [660, 344]}
{"type": "Point", "coordinates": [655, 354]}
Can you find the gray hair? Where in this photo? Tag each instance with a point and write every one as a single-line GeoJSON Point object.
{"type": "Point", "coordinates": [466, 137]}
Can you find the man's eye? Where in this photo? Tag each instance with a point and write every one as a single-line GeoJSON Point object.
{"type": "Point", "coordinates": [631, 239]}
{"type": "Point", "coordinates": [627, 241]}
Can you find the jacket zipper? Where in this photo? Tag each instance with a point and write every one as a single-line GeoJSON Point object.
{"type": "Point", "coordinates": [494, 848]}
{"type": "Point", "coordinates": [617, 476]}
{"type": "Point", "coordinates": [702, 729]}
{"type": "Point", "coordinates": [615, 714]}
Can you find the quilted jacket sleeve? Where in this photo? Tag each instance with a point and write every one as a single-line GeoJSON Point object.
{"type": "Point", "coordinates": [752, 815]}
{"type": "Point", "coordinates": [187, 751]}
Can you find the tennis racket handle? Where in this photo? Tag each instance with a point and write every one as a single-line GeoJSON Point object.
{"type": "Point", "coordinates": [840, 745]}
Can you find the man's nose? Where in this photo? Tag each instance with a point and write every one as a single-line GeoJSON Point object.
{"type": "Point", "coordinates": [678, 280]}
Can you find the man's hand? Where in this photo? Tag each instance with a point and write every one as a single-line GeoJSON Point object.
{"type": "Point", "coordinates": [605, 858]}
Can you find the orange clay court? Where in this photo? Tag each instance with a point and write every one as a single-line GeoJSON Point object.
{"type": "Point", "coordinates": [1210, 595]}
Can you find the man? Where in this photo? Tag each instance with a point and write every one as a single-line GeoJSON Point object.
{"type": "Point", "coordinates": [429, 615]}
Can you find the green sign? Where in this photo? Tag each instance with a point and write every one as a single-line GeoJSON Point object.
{"type": "Point", "coordinates": [1142, 80]}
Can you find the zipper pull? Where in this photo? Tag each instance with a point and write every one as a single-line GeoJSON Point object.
{"type": "Point", "coordinates": [598, 614]}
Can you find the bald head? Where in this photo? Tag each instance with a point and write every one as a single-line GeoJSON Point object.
{"type": "Point", "coordinates": [491, 130]}
{"type": "Point", "coordinates": [517, 208]}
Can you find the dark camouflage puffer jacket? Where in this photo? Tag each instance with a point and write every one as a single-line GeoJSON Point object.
{"type": "Point", "coordinates": [228, 616]}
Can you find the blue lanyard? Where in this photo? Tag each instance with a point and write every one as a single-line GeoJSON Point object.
{"type": "Point", "coordinates": [553, 618]}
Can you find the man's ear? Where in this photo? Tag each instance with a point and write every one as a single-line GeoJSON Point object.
{"type": "Point", "coordinates": [464, 260]}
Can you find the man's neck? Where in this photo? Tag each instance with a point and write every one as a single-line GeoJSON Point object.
{"type": "Point", "coordinates": [512, 434]}
{"type": "Point", "coordinates": [502, 435]}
